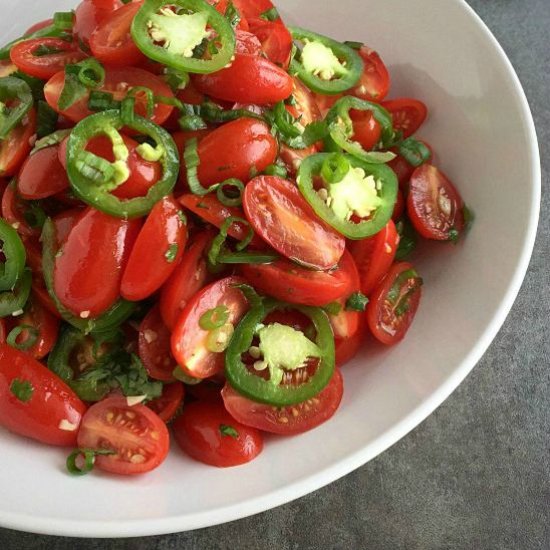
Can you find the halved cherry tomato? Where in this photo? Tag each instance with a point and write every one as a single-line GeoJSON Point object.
{"type": "Point", "coordinates": [15, 148]}
{"type": "Point", "coordinates": [190, 95]}
{"type": "Point", "coordinates": [326, 102]}
{"type": "Point", "coordinates": [394, 303]}
{"type": "Point", "coordinates": [211, 210]}
{"type": "Point", "coordinates": [374, 83]}
{"type": "Point", "coordinates": [374, 256]}
{"type": "Point", "coordinates": [38, 26]}
{"type": "Point", "coordinates": [282, 217]}
{"type": "Point", "coordinates": [347, 348]}
{"type": "Point", "coordinates": [366, 129]}
{"type": "Point", "coordinates": [143, 173]}
{"type": "Point", "coordinates": [292, 283]}
{"type": "Point", "coordinates": [249, 79]}
{"type": "Point", "coordinates": [403, 170]}
{"type": "Point", "coordinates": [89, 14]}
{"type": "Point", "coordinates": [208, 433]}
{"type": "Point", "coordinates": [399, 208]}
{"type": "Point", "coordinates": [188, 278]}
{"type": "Point", "coordinates": [34, 402]}
{"type": "Point", "coordinates": [247, 43]}
{"type": "Point", "coordinates": [138, 437]}
{"type": "Point", "coordinates": [306, 110]}
{"type": "Point", "coordinates": [286, 420]}
{"type": "Point", "coordinates": [13, 211]}
{"type": "Point", "coordinates": [42, 175]}
{"type": "Point", "coordinates": [111, 42]}
{"type": "Point", "coordinates": [65, 222]}
{"type": "Point", "coordinates": [154, 347]}
{"type": "Point", "coordinates": [234, 150]}
{"type": "Point", "coordinates": [27, 57]}
{"type": "Point", "coordinates": [434, 205]}
{"type": "Point", "coordinates": [157, 251]}
{"type": "Point", "coordinates": [168, 404]}
{"type": "Point", "coordinates": [118, 81]}
{"type": "Point", "coordinates": [407, 114]}
{"type": "Point", "coordinates": [192, 345]}
{"type": "Point", "coordinates": [89, 267]}
{"type": "Point", "coordinates": [207, 390]}
{"type": "Point", "coordinates": [45, 324]}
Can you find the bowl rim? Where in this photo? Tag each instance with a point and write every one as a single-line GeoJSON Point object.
{"type": "Point", "coordinates": [319, 479]}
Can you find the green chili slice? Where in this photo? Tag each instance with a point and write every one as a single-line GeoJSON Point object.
{"type": "Point", "coordinates": [368, 191]}
{"type": "Point", "coordinates": [13, 302]}
{"type": "Point", "coordinates": [214, 318]}
{"type": "Point", "coordinates": [17, 91]}
{"type": "Point", "coordinates": [325, 65]}
{"type": "Point", "coordinates": [274, 391]}
{"type": "Point", "coordinates": [232, 197]}
{"type": "Point", "coordinates": [93, 178]}
{"type": "Point", "coordinates": [172, 32]}
{"type": "Point", "coordinates": [29, 342]}
{"type": "Point", "coordinates": [11, 270]}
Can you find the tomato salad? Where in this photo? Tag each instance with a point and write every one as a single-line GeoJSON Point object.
{"type": "Point", "coordinates": [205, 214]}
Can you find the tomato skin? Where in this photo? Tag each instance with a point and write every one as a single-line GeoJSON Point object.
{"type": "Point", "coordinates": [47, 325]}
{"type": "Point", "coordinates": [189, 345]}
{"type": "Point", "coordinates": [374, 256]}
{"type": "Point", "coordinates": [148, 266]}
{"type": "Point", "coordinates": [88, 272]}
{"type": "Point", "coordinates": [247, 43]}
{"type": "Point", "coordinates": [366, 129]}
{"type": "Point", "coordinates": [154, 347]}
{"type": "Point", "coordinates": [232, 149]}
{"type": "Point", "coordinates": [399, 208]}
{"type": "Point", "coordinates": [129, 431]}
{"type": "Point", "coordinates": [52, 400]}
{"type": "Point", "coordinates": [374, 83]}
{"type": "Point", "coordinates": [347, 348]}
{"type": "Point", "coordinates": [282, 217]}
{"type": "Point", "coordinates": [65, 222]}
{"type": "Point", "coordinates": [382, 320]}
{"type": "Point", "coordinates": [326, 102]}
{"type": "Point", "coordinates": [38, 26]}
{"type": "Point", "coordinates": [111, 42]}
{"type": "Point", "coordinates": [408, 114]}
{"type": "Point", "coordinates": [12, 212]}
{"type": "Point", "coordinates": [42, 175]}
{"type": "Point", "coordinates": [118, 80]}
{"type": "Point", "coordinates": [188, 278]}
{"type": "Point", "coordinates": [89, 14]}
{"type": "Point", "coordinates": [15, 148]}
{"type": "Point", "coordinates": [44, 67]}
{"type": "Point", "coordinates": [403, 170]}
{"type": "Point", "coordinates": [249, 79]}
{"type": "Point", "coordinates": [292, 283]}
{"type": "Point", "coordinates": [282, 421]}
{"type": "Point", "coordinates": [434, 205]}
{"type": "Point", "coordinates": [167, 405]}
{"type": "Point", "coordinates": [198, 433]}
{"type": "Point", "coordinates": [275, 39]}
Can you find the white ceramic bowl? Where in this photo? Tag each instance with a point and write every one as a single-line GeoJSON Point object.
{"type": "Point", "coordinates": [483, 133]}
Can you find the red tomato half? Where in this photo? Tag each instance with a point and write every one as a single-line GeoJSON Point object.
{"type": "Point", "coordinates": [15, 148]}
{"type": "Point", "coordinates": [407, 114]}
{"type": "Point", "coordinates": [366, 129]}
{"type": "Point", "coordinates": [292, 283]}
{"type": "Point", "coordinates": [347, 348]}
{"type": "Point", "coordinates": [26, 56]}
{"type": "Point", "coordinates": [111, 42]}
{"type": "Point", "coordinates": [234, 150]}
{"type": "Point", "coordinates": [249, 79]}
{"type": "Point", "coordinates": [286, 420]}
{"type": "Point", "coordinates": [191, 344]}
{"type": "Point", "coordinates": [154, 347]}
{"type": "Point", "coordinates": [46, 325]}
{"type": "Point", "coordinates": [168, 404]}
{"type": "Point", "coordinates": [42, 175]}
{"type": "Point", "coordinates": [208, 433]}
{"type": "Point", "coordinates": [374, 256]}
{"type": "Point", "coordinates": [157, 251]}
{"type": "Point", "coordinates": [89, 269]}
{"type": "Point", "coordinates": [247, 43]}
{"type": "Point", "coordinates": [138, 437]}
{"type": "Point", "coordinates": [275, 39]}
{"type": "Point", "coordinates": [282, 217]}
{"type": "Point", "coordinates": [50, 412]}
{"type": "Point", "coordinates": [89, 15]}
{"type": "Point", "coordinates": [403, 170]}
{"type": "Point", "coordinates": [38, 26]}
{"type": "Point", "coordinates": [394, 303]}
{"type": "Point", "coordinates": [65, 222]}
{"type": "Point", "coordinates": [374, 83]}
{"type": "Point", "coordinates": [188, 278]}
{"type": "Point", "coordinates": [13, 211]}
{"type": "Point", "coordinates": [434, 205]}
{"type": "Point", "coordinates": [118, 81]}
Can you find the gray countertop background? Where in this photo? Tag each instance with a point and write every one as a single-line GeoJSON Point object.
{"type": "Point", "coordinates": [476, 474]}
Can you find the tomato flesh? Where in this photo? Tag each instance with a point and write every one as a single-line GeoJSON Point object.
{"type": "Point", "coordinates": [407, 114]}
{"type": "Point", "coordinates": [15, 148]}
{"type": "Point", "coordinates": [207, 432]}
{"type": "Point", "coordinates": [168, 404]}
{"type": "Point", "coordinates": [136, 435]}
{"type": "Point", "coordinates": [374, 83]}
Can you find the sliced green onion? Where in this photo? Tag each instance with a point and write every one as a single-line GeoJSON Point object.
{"type": "Point", "coordinates": [218, 340]}
{"type": "Point", "coordinates": [95, 168]}
{"type": "Point", "coordinates": [214, 318]}
{"type": "Point", "coordinates": [334, 308]}
{"type": "Point", "coordinates": [213, 113]}
{"type": "Point", "coordinates": [127, 113]}
{"type": "Point", "coordinates": [102, 101]}
{"type": "Point", "coordinates": [63, 20]}
{"type": "Point", "coordinates": [225, 198]}
{"type": "Point", "coordinates": [357, 302]}
{"type": "Point", "coordinates": [270, 15]}
{"type": "Point", "coordinates": [176, 80]}
{"type": "Point", "coordinates": [91, 73]}
{"type": "Point", "coordinates": [29, 342]}
{"type": "Point", "coordinates": [414, 152]}
{"type": "Point", "coordinates": [88, 455]}
{"type": "Point", "coordinates": [54, 138]}
{"type": "Point", "coordinates": [250, 257]}
{"type": "Point", "coordinates": [219, 241]}
{"type": "Point", "coordinates": [276, 170]}
{"type": "Point", "coordinates": [149, 98]}
{"type": "Point", "coordinates": [79, 78]}
{"type": "Point", "coordinates": [192, 161]}
{"type": "Point", "coordinates": [232, 15]}
{"type": "Point", "coordinates": [191, 123]}
{"type": "Point", "coordinates": [335, 168]}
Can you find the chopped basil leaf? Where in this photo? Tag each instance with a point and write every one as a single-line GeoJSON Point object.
{"type": "Point", "coordinates": [357, 302]}
{"type": "Point", "coordinates": [22, 389]}
{"type": "Point", "coordinates": [270, 15]}
{"type": "Point", "coordinates": [228, 431]}
{"type": "Point", "coordinates": [232, 15]}
{"type": "Point", "coordinates": [46, 120]}
{"type": "Point", "coordinates": [88, 455]}
{"type": "Point", "coordinates": [469, 217]}
{"type": "Point", "coordinates": [182, 217]}
{"type": "Point", "coordinates": [414, 152]}
{"type": "Point", "coordinates": [43, 50]}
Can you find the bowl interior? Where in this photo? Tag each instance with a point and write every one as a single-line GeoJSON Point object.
{"type": "Point", "coordinates": [482, 132]}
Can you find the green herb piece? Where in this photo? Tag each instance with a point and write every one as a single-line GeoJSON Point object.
{"type": "Point", "coordinates": [30, 341]}
{"type": "Point", "coordinates": [229, 431]}
{"type": "Point", "coordinates": [357, 302]}
{"type": "Point", "coordinates": [88, 456]}
{"type": "Point", "coordinates": [270, 15]}
{"type": "Point", "coordinates": [22, 389]}
{"type": "Point", "coordinates": [214, 318]}
{"type": "Point", "coordinates": [171, 253]}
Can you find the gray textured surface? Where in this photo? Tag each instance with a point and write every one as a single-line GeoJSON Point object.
{"type": "Point", "coordinates": [476, 474]}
